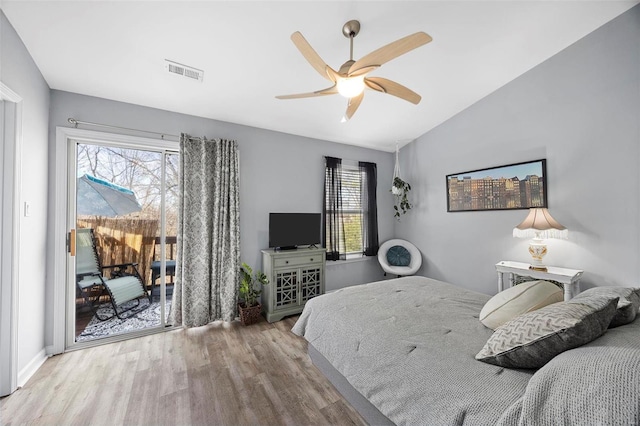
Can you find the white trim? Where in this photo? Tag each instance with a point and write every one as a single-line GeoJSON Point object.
{"type": "Point", "coordinates": [29, 370]}
{"type": "Point", "coordinates": [10, 244]}
{"type": "Point", "coordinates": [121, 337]}
{"type": "Point", "coordinates": [335, 263]}
{"type": "Point", "coordinates": [98, 138]}
{"type": "Point", "coordinates": [70, 207]}
{"type": "Point", "coordinates": [63, 326]}
{"type": "Point", "coordinates": [163, 239]}
{"type": "Point", "coordinates": [59, 204]}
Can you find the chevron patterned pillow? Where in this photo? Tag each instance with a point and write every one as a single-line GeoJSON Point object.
{"type": "Point", "coordinates": [628, 304]}
{"type": "Point", "coordinates": [533, 339]}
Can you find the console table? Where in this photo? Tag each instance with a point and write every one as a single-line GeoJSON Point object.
{"type": "Point", "coordinates": [569, 278]}
{"type": "Point", "coordinates": [295, 276]}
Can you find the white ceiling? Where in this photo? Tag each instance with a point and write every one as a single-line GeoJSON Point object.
{"type": "Point", "coordinates": [116, 50]}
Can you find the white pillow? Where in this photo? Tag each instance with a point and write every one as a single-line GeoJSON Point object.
{"type": "Point", "coordinates": [518, 300]}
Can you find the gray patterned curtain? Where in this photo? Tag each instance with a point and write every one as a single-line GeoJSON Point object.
{"type": "Point", "coordinates": [208, 260]}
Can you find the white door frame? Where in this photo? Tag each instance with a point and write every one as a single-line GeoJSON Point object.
{"type": "Point", "coordinates": [63, 329]}
{"type": "Point", "coordinates": [10, 242]}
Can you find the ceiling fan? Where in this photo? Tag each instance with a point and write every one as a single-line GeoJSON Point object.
{"type": "Point", "coordinates": [351, 79]}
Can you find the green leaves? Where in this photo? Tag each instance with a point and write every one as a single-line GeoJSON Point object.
{"type": "Point", "coordinates": [400, 190]}
{"type": "Point", "coordinates": [251, 285]}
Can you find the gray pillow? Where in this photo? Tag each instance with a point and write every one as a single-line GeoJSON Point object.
{"type": "Point", "coordinates": [628, 304]}
{"type": "Point", "coordinates": [533, 339]}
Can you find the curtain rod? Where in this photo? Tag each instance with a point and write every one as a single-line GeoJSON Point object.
{"type": "Point", "coordinates": [87, 123]}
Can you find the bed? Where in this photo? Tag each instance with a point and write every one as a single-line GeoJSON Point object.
{"type": "Point", "coordinates": [402, 352]}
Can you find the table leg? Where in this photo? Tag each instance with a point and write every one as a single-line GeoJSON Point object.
{"type": "Point", "coordinates": [511, 279]}
{"type": "Point", "coordinates": [571, 290]}
{"type": "Point", "coordinates": [500, 284]}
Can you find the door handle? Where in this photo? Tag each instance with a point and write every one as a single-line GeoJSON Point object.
{"type": "Point", "coordinates": [72, 242]}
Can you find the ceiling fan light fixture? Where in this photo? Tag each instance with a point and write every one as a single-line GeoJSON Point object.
{"type": "Point", "coordinates": [350, 86]}
{"type": "Point", "coordinates": [349, 80]}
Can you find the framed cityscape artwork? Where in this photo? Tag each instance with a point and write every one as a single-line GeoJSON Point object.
{"type": "Point", "coordinates": [514, 186]}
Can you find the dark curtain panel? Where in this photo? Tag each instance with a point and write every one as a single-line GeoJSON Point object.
{"type": "Point", "coordinates": [369, 208]}
{"type": "Point", "coordinates": [332, 209]}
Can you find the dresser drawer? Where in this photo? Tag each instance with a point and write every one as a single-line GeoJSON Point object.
{"type": "Point", "coordinates": [298, 260]}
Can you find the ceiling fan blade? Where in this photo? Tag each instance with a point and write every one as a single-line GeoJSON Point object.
{"type": "Point", "coordinates": [328, 91]}
{"type": "Point", "coordinates": [391, 51]}
{"type": "Point", "coordinates": [392, 88]}
{"type": "Point", "coordinates": [333, 74]}
{"type": "Point", "coordinates": [311, 56]}
{"type": "Point", "coordinates": [353, 105]}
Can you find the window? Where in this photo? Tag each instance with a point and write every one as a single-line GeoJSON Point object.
{"type": "Point", "coordinates": [350, 212]}
{"type": "Point", "coordinates": [351, 244]}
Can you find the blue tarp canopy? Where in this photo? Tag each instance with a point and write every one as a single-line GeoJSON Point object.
{"type": "Point", "coordinates": [101, 198]}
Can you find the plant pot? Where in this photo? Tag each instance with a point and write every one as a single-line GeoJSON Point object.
{"type": "Point", "coordinates": [250, 315]}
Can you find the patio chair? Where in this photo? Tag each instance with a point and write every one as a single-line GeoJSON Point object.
{"type": "Point", "coordinates": [122, 287]}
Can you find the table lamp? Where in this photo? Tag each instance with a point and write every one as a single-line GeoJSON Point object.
{"type": "Point", "coordinates": [538, 226]}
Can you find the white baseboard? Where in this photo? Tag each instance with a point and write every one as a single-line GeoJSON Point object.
{"type": "Point", "coordinates": [50, 351]}
{"type": "Point", "coordinates": [29, 370]}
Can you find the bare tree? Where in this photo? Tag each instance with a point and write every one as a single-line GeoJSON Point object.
{"type": "Point", "coordinates": [137, 170]}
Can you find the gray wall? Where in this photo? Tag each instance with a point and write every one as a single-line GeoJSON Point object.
{"type": "Point", "coordinates": [581, 111]}
{"type": "Point", "coordinates": [278, 172]}
{"type": "Point", "coordinates": [20, 74]}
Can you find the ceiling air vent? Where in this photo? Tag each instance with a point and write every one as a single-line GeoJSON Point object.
{"type": "Point", "coordinates": [183, 70]}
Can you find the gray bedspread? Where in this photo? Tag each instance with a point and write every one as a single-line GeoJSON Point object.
{"type": "Point", "coordinates": [595, 384]}
{"type": "Point", "coordinates": [408, 346]}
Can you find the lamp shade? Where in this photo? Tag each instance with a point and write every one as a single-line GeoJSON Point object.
{"type": "Point", "coordinates": [351, 86]}
{"type": "Point", "coordinates": [540, 224]}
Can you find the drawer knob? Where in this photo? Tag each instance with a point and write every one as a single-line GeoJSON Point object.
{"type": "Point", "coordinates": [312, 259]}
{"type": "Point", "coordinates": [286, 261]}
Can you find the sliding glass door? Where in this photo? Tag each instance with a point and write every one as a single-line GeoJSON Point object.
{"type": "Point", "coordinates": [123, 210]}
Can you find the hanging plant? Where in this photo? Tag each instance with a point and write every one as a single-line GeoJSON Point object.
{"type": "Point", "coordinates": [400, 189]}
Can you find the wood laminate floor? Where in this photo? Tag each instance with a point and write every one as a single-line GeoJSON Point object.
{"type": "Point", "coordinates": [220, 374]}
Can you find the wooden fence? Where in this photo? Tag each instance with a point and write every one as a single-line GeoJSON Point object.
{"type": "Point", "coordinates": [122, 240]}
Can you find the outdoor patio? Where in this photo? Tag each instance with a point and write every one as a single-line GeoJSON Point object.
{"type": "Point", "coordinates": [125, 241]}
{"type": "Point", "coordinates": [88, 327]}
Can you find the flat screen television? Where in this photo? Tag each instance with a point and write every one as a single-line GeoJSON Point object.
{"type": "Point", "coordinates": [289, 230]}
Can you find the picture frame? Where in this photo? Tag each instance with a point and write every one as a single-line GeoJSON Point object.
{"type": "Point", "coordinates": [510, 187]}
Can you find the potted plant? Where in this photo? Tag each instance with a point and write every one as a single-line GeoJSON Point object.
{"type": "Point", "coordinates": [250, 288]}
{"type": "Point", "coordinates": [400, 189]}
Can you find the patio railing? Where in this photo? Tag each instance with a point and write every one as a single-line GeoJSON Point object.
{"type": "Point", "coordinates": [121, 240]}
